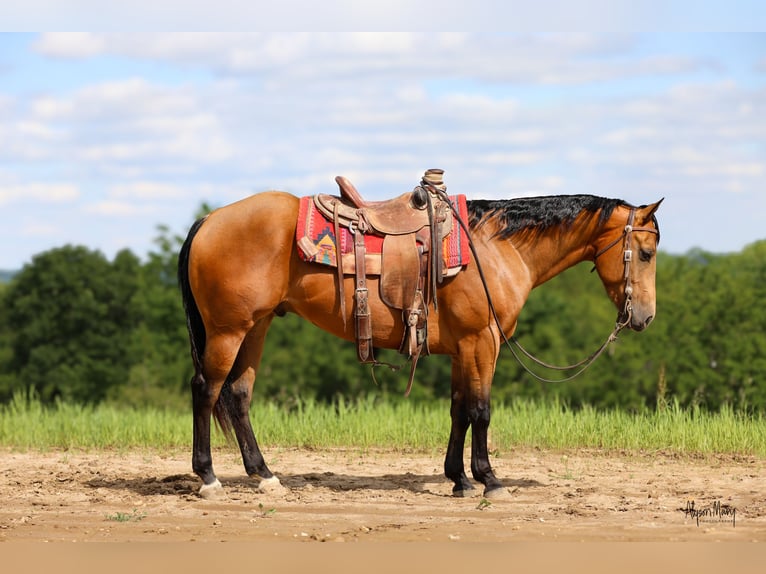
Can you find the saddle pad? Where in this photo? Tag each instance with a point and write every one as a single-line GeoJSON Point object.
{"type": "Point", "coordinates": [316, 237]}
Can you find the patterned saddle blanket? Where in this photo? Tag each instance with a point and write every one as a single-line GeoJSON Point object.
{"type": "Point", "coordinates": [315, 236]}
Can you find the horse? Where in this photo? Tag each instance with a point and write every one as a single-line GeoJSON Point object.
{"type": "Point", "coordinates": [239, 269]}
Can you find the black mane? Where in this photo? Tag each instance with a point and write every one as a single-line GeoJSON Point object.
{"type": "Point", "coordinates": [538, 213]}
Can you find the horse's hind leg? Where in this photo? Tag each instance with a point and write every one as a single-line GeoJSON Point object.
{"type": "Point", "coordinates": [236, 398]}
{"type": "Point", "coordinates": [217, 361]}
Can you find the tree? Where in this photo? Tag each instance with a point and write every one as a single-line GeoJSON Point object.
{"type": "Point", "coordinates": [69, 312]}
{"type": "Point", "coordinates": [6, 338]}
{"type": "Point", "coordinates": [158, 342]}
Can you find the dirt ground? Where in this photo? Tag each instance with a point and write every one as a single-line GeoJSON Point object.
{"type": "Point", "coordinates": [348, 496]}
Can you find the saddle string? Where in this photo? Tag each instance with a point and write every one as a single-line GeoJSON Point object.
{"type": "Point", "coordinates": [339, 268]}
{"type": "Point", "coordinates": [427, 288]}
{"type": "Point", "coordinates": [588, 361]}
{"type": "Point", "coordinates": [434, 253]}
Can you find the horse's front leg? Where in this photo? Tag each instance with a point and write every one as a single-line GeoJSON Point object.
{"type": "Point", "coordinates": [453, 462]}
{"type": "Point", "coordinates": [479, 415]}
{"type": "Point", "coordinates": [472, 372]}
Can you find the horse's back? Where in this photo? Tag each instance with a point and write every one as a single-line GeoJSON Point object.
{"type": "Point", "coordinates": [258, 209]}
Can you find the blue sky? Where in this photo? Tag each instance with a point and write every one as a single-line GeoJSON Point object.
{"type": "Point", "coordinates": [104, 136]}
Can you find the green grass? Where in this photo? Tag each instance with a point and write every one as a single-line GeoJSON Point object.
{"type": "Point", "coordinates": [673, 429]}
{"type": "Point", "coordinates": [126, 516]}
{"type": "Point", "coordinates": [395, 424]}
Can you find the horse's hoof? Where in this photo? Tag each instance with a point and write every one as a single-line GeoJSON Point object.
{"type": "Point", "coordinates": [211, 491]}
{"type": "Point", "coordinates": [499, 493]}
{"type": "Point", "coordinates": [271, 485]}
{"type": "Point", "coordinates": [464, 492]}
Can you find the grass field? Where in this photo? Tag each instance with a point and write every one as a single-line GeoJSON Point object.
{"type": "Point", "coordinates": [404, 425]}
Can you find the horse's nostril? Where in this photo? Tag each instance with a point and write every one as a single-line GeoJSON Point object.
{"type": "Point", "coordinates": [646, 322]}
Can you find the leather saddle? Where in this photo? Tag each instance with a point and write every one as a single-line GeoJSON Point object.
{"type": "Point", "coordinates": [399, 216]}
{"type": "Point", "coordinates": [413, 227]}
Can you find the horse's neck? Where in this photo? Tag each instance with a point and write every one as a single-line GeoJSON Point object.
{"type": "Point", "coordinates": [555, 251]}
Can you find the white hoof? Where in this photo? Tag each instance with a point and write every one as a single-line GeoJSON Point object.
{"type": "Point", "coordinates": [498, 494]}
{"type": "Point", "coordinates": [212, 490]}
{"type": "Point", "coordinates": [270, 485]}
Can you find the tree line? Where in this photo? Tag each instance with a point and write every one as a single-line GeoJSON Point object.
{"type": "Point", "coordinates": [79, 327]}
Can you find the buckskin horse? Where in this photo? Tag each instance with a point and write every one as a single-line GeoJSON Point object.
{"type": "Point", "coordinates": [239, 268]}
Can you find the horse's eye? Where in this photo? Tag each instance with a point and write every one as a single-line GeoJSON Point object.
{"type": "Point", "coordinates": [645, 254]}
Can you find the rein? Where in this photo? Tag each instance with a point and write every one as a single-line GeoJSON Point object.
{"type": "Point", "coordinates": [627, 311]}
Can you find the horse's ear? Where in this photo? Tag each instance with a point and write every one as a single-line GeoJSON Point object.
{"type": "Point", "coordinates": [647, 212]}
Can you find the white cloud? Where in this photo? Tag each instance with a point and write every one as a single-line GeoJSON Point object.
{"type": "Point", "coordinates": [36, 129]}
{"type": "Point", "coordinates": [146, 190]}
{"type": "Point", "coordinates": [350, 57]}
{"type": "Point", "coordinates": [39, 192]}
{"type": "Point", "coordinates": [51, 108]}
{"type": "Point", "coordinates": [124, 100]}
{"type": "Point", "coordinates": [39, 229]}
{"type": "Point", "coordinates": [114, 208]}
{"type": "Point", "coordinates": [116, 122]}
{"type": "Point", "coordinates": [72, 45]}
{"type": "Point", "coordinates": [703, 167]}
{"type": "Point", "coordinates": [632, 135]}
{"type": "Point", "coordinates": [518, 158]}
{"type": "Point", "coordinates": [487, 16]}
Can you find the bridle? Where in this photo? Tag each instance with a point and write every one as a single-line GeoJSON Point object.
{"type": "Point", "coordinates": [627, 257]}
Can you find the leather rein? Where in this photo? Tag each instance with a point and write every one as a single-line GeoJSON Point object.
{"type": "Point", "coordinates": [627, 311]}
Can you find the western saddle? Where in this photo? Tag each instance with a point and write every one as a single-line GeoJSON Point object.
{"type": "Point", "coordinates": [413, 227]}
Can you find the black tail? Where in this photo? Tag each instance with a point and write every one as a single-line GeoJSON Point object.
{"type": "Point", "coordinates": [193, 318]}
{"type": "Point", "coordinates": [223, 406]}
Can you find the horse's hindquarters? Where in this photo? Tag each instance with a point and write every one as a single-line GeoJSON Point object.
{"type": "Point", "coordinates": [239, 267]}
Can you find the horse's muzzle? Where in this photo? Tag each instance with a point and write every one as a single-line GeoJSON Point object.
{"type": "Point", "coordinates": [639, 324]}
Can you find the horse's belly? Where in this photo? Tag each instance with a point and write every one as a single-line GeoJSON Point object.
{"type": "Point", "coordinates": [315, 297]}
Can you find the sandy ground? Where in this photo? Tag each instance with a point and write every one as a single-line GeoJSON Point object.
{"type": "Point", "coordinates": [341, 496]}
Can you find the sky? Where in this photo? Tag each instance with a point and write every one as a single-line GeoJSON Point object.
{"type": "Point", "coordinates": [104, 136]}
